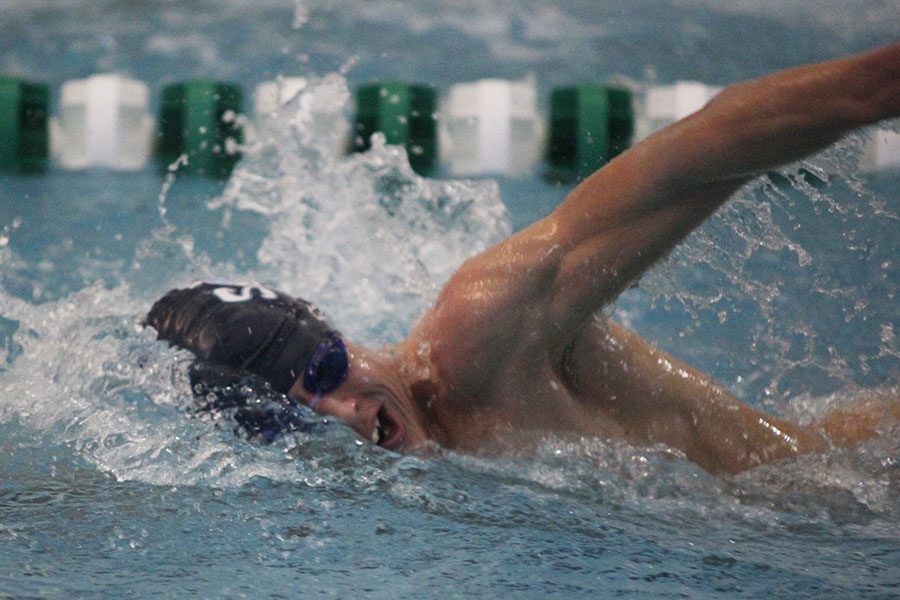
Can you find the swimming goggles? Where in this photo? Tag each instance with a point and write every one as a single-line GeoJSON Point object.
{"type": "Point", "coordinates": [327, 369]}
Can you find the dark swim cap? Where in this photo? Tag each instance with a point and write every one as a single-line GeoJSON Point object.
{"type": "Point", "coordinates": [252, 328]}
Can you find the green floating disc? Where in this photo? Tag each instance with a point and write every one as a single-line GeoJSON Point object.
{"type": "Point", "coordinates": [590, 125]}
{"type": "Point", "coordinates": [405, 114]}
{"type": "Point", "coordinates": [24, 141]}
{"type": "Point", "coordinates": [198, 119]}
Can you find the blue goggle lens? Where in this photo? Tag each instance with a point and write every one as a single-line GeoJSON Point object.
{"type": "Point", "coordinates": [327, 369]}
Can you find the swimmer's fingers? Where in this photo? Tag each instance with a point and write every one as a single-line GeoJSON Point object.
{"type": "Point", "coordinates": [862, 421]}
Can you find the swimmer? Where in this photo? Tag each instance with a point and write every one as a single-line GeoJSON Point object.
{"type": "Point", "coordinates": [515, 347]}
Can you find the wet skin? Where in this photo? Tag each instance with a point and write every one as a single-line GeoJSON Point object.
{"type": "Point", "coordinates": [374, 401]}
{"type": "Point", "coordinates": [513, 345]}
{"type": "Point", "coordinates": [401, 402]}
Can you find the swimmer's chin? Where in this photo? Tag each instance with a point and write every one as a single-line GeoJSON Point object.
{"type": "Point", "coordinates": [426, 448]}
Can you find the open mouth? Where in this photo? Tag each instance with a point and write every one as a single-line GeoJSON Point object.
{"type": "Point", "coordinates": [387, 432]}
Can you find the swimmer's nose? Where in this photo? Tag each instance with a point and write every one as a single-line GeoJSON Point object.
{"type": "Point", "coordinates": [359, 413]}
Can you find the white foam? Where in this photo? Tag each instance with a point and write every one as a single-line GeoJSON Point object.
{"type": "Point", "coordinates": [361, 235]}
{"type": "Point", "coordinates": [881, 150]}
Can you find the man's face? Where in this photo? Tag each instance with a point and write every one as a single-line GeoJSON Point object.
{"type": "Point", "coordinates": [372, 403]}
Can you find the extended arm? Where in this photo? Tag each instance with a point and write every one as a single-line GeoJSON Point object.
{"type": "Point", "coordinates": [543, 284]}
{"type": "Point", "coordinates": [626, 216]}
{"type": "Point", "coordinates": [658, 399]}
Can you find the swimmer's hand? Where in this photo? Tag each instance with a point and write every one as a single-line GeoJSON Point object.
{"type": "Point", "coordinates": [863, 420]}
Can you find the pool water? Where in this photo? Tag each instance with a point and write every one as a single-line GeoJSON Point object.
{"type": "Point", "coordinates": [109, 486]}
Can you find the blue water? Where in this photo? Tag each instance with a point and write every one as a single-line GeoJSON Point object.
{"type": "Point", "coordinates": [109, 488]}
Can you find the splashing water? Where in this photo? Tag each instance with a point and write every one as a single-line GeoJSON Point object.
{"type": "Point", "coordinates": [788, 292]}
{"type": "Point", "coordinates": [790, 268]}
{"type": "Point", "coordinates": [362, 235]}
{"type": "Point", "coordinates": [371, 242]}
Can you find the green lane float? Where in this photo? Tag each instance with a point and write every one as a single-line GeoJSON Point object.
{"type": "Point", "coordinates": [198, 121]}
{"type": "Point", "coordinates": [24, 142]}
{"type": "Point", "coordinates": [405, 113]}
{"type": "Point", "coordinates": [590, 124]}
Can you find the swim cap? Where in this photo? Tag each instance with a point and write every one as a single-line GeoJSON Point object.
{"type": "Point", "coordinates": [252, 328]}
